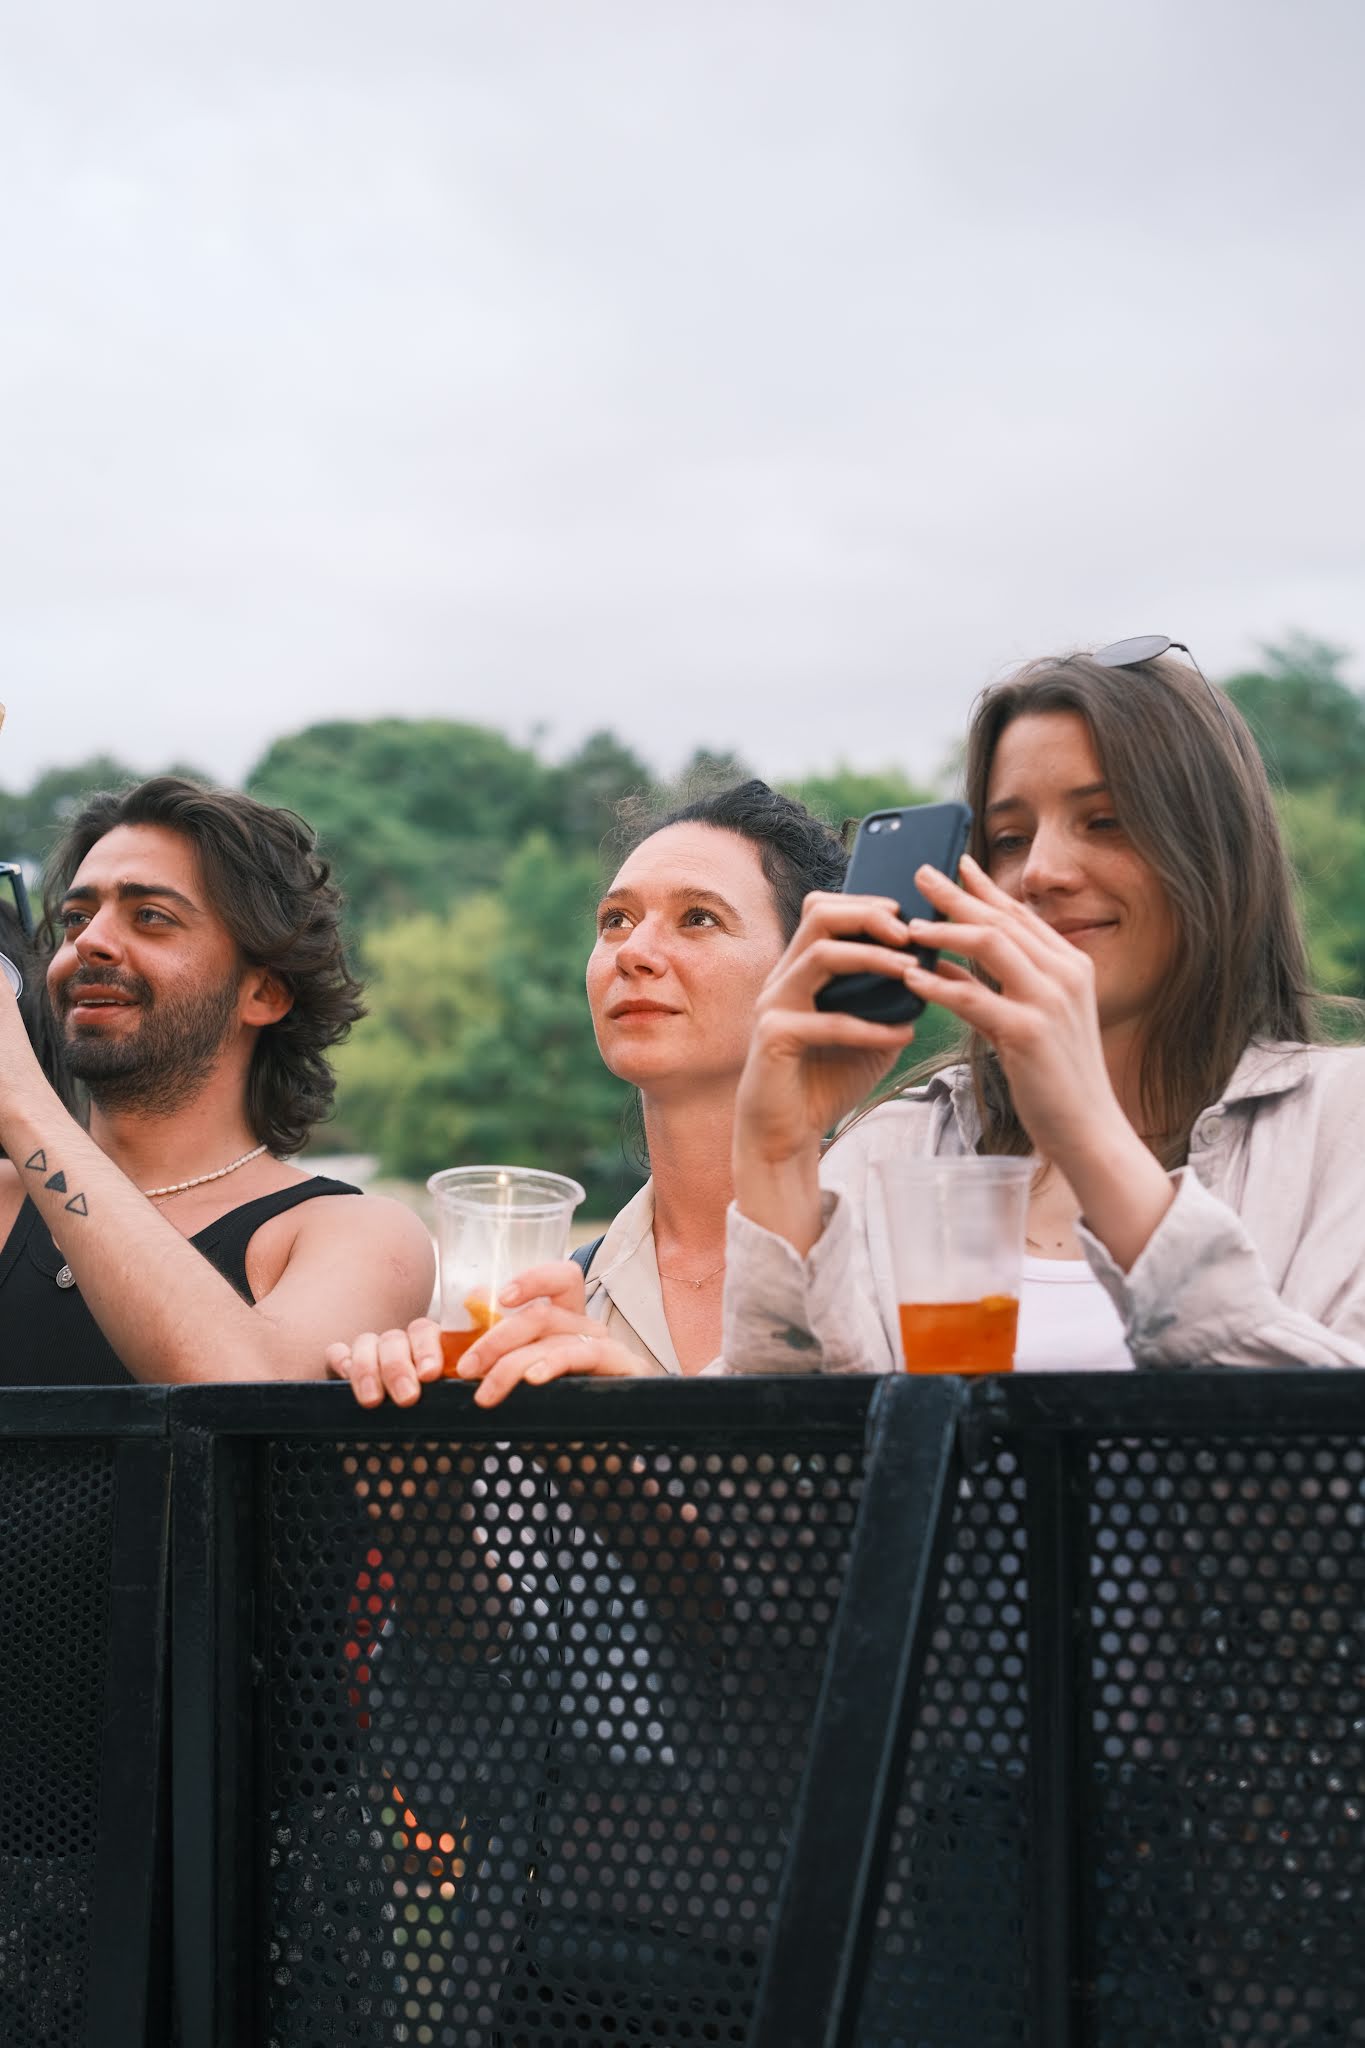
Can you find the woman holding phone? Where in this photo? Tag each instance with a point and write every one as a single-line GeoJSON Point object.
{"type": "Point", "coordinates": [692, 923]}
{"type": "Point", "coordinates": [1136, 1015]}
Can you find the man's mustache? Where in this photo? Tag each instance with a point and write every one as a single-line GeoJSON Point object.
{"type": "Point", "coordinates": [121, 984]}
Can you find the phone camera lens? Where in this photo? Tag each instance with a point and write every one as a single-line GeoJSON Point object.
{"type": "Point", "coordinates": [874, 824]}
{"type": "Point", "coordinates": [893, 824]}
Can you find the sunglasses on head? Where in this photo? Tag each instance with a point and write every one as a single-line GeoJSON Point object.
{"type": "Point", "coordinates": [1146, 647]}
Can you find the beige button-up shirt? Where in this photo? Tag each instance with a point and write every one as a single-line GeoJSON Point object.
{"type": "Point", "coordinates": [623, 1286]}
{"type": "Point", "coordinates": [1260, 1259]}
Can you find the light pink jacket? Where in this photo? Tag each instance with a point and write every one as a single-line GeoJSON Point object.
{"type": "Point", "coordinates": [1260, 1259]}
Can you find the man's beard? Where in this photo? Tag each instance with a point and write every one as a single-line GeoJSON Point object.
{"type": "Point", "coordinates": [160, 1066]}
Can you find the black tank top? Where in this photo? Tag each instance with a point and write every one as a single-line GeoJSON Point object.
{"type": "Point", "coordinates": [48, 1337]}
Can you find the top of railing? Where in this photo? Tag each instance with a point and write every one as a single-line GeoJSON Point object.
{"type": "Point", "coordinates": [1302, 1401]}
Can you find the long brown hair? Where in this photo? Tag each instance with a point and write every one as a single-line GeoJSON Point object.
{"type": "Point", "coordinates": [1190, 791]}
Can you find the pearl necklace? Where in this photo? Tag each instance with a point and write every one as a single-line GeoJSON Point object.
{"type": "Point", "coordinates": [66, 1278]}
{"type": "Point", "coordinates": [200, 1180]}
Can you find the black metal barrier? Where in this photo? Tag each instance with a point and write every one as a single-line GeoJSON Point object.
{"type": "Point", "coordinates": [84, 1493]}
{"type": "Point", "coordinates": [494, 1735]}
{"type": "Point", "coordinates": [905, 1713]}
{"type": "Point", "coordinates": [1089, 1766]}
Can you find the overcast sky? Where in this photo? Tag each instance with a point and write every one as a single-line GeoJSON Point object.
{"type": "Point", "coordinates": [738, 372]}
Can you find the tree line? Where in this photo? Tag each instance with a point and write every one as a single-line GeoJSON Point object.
{"type": "Point", "coordinates": [472, 865]}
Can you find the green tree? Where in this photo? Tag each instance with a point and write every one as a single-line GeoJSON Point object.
{"type": "Point", "coordinates": [587, 789]}
{"type": "Point", "coordinates": [399, 1074]}
{"type": "Point", "coordinates": [705, 770]}
{"type": "Point", "coordinates": [1327, 845]}
{"type": "Point", "coordinates": [844, 792]}
{"type": "Point", "coordinates": [415, 813]}
{"type": "Point", "coordinates": [537, 1085]}
{"type": "Point", "coordinates": [479, 1045]}
{"type": "Point", "coordinates": [32, 820]}
{"type": "Point", "coordinates": [1308, 721]}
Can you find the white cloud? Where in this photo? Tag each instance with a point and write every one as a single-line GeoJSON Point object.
{"type": "Point", "coordinates": [760, 375]}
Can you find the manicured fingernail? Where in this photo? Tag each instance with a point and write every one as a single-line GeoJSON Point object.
{"type": "Point", "coordinates": [968, 862]}
{"type": "Point", "coordinates": [406, 1390]}
{"type": "Point", "coordinates": [369, 1389]}
{"type": "Point", "coordinates": [510, 1293]}
{"type": "Point", "coordinates": [468, 1367]}
{"type": "Point", "coordinates": [428, 1368]}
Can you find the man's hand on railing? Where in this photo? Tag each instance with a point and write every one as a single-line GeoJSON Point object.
{"type": "Point", "coordinates": [396, 1363]}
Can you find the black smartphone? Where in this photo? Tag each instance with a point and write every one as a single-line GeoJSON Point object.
{"type": "Point", "coordinates": [889, 848]}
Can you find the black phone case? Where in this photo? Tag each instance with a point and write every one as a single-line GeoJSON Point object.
{"type": "Point", "coordinates": [883, 863]}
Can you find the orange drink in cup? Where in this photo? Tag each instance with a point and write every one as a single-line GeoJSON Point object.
{"type": "Point", "coordinates": [455, 1343]}
{"type": "Point", "coordinates": [492, 1222]}
{"type": "Point", "coordinates": [955, 1228]}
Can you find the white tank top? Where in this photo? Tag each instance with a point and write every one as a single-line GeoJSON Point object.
{"type": "Point", "coordinates": [1067, 1323]}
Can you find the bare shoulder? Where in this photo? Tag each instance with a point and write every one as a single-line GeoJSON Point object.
{"type": "Point", "coordinates": [334, 1235]}
{"type": "Point", "coordinates": [377, 1221]}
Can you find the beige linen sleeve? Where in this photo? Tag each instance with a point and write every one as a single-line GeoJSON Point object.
{"type": "Point", "coordinates": [1282, 1283]}
{"type": "Point", "coordinates": [836, 1309]}
{"type": "Point", "coordinates": [787, 1314]}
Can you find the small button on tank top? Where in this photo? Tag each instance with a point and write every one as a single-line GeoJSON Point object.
{"type": "Point", "coordinates": [49, 1338]}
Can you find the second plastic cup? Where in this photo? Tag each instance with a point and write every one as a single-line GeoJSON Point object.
{"type": "Point", "coordinates": [956, 1228]}
{"type": "Point", "coordinates": [492, 1222]}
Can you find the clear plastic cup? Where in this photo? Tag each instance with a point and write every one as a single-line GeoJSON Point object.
{"type": "Point", "coordinates": [956, 1229]}
{"type": "Point", "coordinates": [492, 1222]}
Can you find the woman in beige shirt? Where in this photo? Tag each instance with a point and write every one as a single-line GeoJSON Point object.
{"type": "Point", "coordinates": [1137, 1017]}
{"type": "Point", "coordinates": [691, 925]}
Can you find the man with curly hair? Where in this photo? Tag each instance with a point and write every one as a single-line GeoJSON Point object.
{"type": "Point", "coordinates": [198, 980]}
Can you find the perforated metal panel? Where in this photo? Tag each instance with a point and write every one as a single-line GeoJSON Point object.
{"type": "Point", "coordinates": [536, 1722]}
{"type": "Point", "coordinates": [950, 1962]}
{"type": "Point", "coordinates": [1219, 1800]}
{"type": "Point", "coordinates": [1228, 1716]}
{"type": "Point", "coordinates": [56, 1533]}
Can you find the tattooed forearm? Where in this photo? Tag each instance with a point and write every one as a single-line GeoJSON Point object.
{"type": "Point", "coordinates": [37, 1163]}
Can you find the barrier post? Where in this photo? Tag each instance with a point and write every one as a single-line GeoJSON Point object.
{"type": "Point", "coordinates": [810, 1987]}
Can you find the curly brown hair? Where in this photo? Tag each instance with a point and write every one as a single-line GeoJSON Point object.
{"type": "Point", "coordinates": [274, 893]}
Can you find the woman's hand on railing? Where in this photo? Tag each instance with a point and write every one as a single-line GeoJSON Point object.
{"type": "Point", "coordinates": [396, 1363]}
{"type": "Point", "coordinates": [546, 1338]}
{"type": "Point", "coordinates": [549, 1335]}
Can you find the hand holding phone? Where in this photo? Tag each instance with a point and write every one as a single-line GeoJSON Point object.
{"type": "Point", "coordinates": [888, 852]}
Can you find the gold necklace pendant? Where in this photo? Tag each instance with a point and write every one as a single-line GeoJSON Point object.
{"type": "Point", "coordinates": [684, 1280]}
